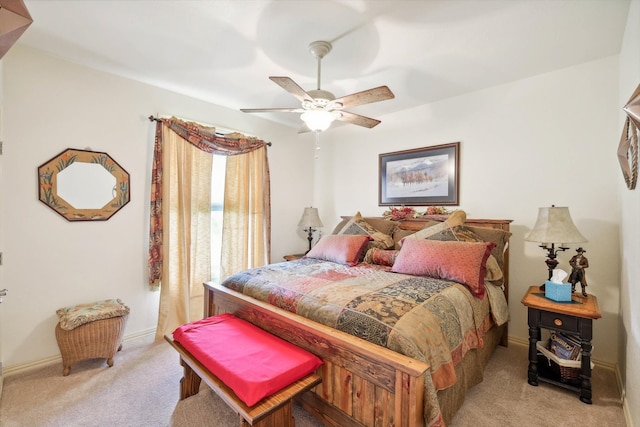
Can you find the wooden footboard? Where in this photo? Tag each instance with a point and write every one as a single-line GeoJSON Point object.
{"type": "Point", "coordinates": [362, 384]}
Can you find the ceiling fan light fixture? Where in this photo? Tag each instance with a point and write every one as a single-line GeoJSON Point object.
{"type": "Point", "coordinates": [319, 120]}
{"type": "Point", "coordinates": [319, 106]}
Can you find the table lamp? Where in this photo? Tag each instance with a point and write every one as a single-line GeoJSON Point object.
{"type": "Point", "coordinates": [310, 221]}
{"type": "Point", "coordinates": [554, 226]}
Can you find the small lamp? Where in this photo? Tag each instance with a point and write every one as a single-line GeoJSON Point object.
{"type": "Point", "coordinates": [554, 226]}
{"type": "Point", "coordinates": [310, 221]}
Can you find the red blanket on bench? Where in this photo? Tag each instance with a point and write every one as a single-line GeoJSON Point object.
{"type": "Point", "coordinates": [249, 360]}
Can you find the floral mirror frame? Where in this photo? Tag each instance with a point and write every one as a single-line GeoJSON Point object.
{"type": "Point", "coordinates": [49, 180]}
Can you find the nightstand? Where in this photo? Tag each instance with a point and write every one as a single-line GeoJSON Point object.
{"type": "Point", "coordinates": [293, 257]}
{"type": "Point", "coordinates": [573, 317]}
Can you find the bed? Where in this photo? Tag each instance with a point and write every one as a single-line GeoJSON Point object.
{"type": "Point", "coordinates": [364, 320]}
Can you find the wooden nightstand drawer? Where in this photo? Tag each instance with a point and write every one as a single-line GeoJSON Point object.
{"type": "Point", "coordinates": [559, 321]}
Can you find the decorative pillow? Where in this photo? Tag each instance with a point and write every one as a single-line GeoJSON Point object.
{"type": "Point", "coordinates": [456, 218]}
{"type": "Point", "coordinates": [77, 315]}
{"type": "Point", "coordinates": [358, 226]}
{"type": "Point", "coordinates": [497, 236]}
{"type": "Point", "coordinates": [380, 256]}
{"type": "Point", "coordinates": [384, 226]}
{"type": "Point", "coordinates": [462, 233]}
{"type": "Point", "coordinates": [343, 249]}
{"type": "Point", "coordinates": [494, 272]}
{"type": "Point", "coordinates": [462, 262]}
{"type": "Point", "coordinates": [400, 234]}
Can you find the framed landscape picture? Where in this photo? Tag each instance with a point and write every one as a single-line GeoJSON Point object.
{"type": "Point", "coordinates": [426, 176]}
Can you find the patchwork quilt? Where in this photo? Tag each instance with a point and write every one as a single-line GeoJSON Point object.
{"type": "Point", "coordinates": [432, 320]}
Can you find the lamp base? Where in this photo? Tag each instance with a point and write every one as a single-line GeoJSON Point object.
{"type": "Point", "coordinates": [551, 260]}
{"type": "Point", "coordinates": [310, 238]}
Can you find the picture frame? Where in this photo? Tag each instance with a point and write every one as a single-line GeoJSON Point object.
{"type": "Point", "coordinates": [427, 176]}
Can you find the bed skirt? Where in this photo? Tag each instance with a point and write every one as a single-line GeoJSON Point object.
{"type": "Point", "coordinates": [469, 373]}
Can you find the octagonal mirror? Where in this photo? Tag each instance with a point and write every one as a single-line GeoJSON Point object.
{"type": "Point", "coordinates": [83, 185]}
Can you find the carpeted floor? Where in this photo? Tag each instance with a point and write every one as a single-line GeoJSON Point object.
{"type": "Point", "coordinates": [141, 389]}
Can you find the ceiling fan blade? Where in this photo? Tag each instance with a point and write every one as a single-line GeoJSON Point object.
{"type": "Point", "coordinates": [357, 119]}
{"type": "Point", "coordinates": [292, 87]}
{"type": "Point", "coordinates": [377, 94]}
{"type": "Point", "coordinates": [272, 110]}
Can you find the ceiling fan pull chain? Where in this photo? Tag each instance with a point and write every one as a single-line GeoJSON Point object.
{"type": "Point", "coordinates": [317, 145]}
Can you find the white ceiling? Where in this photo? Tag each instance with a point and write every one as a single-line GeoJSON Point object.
{"type": "Point", "coordinates": [223, 51]}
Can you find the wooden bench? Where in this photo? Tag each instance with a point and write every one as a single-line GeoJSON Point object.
{"type": "Point", "coordinates": [275, 410]}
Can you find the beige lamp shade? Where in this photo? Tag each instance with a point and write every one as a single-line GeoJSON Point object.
{"type": "Point", "coordinates": [554, 225]}
{"type": "Point", "coordinates": [310, 218]}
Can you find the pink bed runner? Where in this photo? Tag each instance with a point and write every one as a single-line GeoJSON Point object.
{"type": "Point", "coordinates": [249, 360]}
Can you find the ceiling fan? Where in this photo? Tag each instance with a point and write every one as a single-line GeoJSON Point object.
{"type": "Point", "coordinates": [319, 107]}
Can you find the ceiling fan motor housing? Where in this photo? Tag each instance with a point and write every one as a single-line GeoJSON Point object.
{"type": "Point", "coordinates": [319, 48]}
{"type": "Point", "coordinates": [321, 99]}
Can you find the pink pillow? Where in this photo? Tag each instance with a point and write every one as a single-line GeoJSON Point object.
{"type": "Point", "coordinates": [379, 256]}
{"type": "Point", "coordinates": [462, 262]}
{"type": "Point", "coordinates": [340, 248]}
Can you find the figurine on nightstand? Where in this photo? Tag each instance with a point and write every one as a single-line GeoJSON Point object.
{"type": "Point", "coordinates": [578, 263]}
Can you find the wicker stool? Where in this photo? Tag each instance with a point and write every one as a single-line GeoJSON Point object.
{"type": "Point", "coordinates": [101, 338]}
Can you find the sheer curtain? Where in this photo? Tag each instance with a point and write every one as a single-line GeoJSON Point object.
{"type": "Point", "coordinates": [186, 194]}
{"type": "Point", "coordinates": [246, 235]}
{"type": "Point", "coordinates": [179, 240]}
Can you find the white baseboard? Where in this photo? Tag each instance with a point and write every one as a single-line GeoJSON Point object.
{"type": "Point", "coordinates": [625, 401]}
{"type": "Point", "coordinates": [627, 414]}
{"type": "Point", "coordinates": [26, 367]}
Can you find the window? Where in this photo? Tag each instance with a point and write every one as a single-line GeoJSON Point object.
{"type": "Point", "coordinates": [217, 205]}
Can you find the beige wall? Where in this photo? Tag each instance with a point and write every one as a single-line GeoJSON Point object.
{"type": "Point", "coordinates": [630, 231]}
{"type": "Point", "coordinates": [50, 105]}
{"type": "Point", "coordinates": [550, 139]}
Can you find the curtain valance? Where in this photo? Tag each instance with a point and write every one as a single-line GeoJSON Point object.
{"type": "Point", "coordinates": [206, 139]}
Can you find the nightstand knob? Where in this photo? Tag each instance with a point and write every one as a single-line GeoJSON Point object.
{"type": "Point", "coordinates": [557, 322]}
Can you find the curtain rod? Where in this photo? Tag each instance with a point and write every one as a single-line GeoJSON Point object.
{"type": "Point", "coordinates": [155, 119]}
